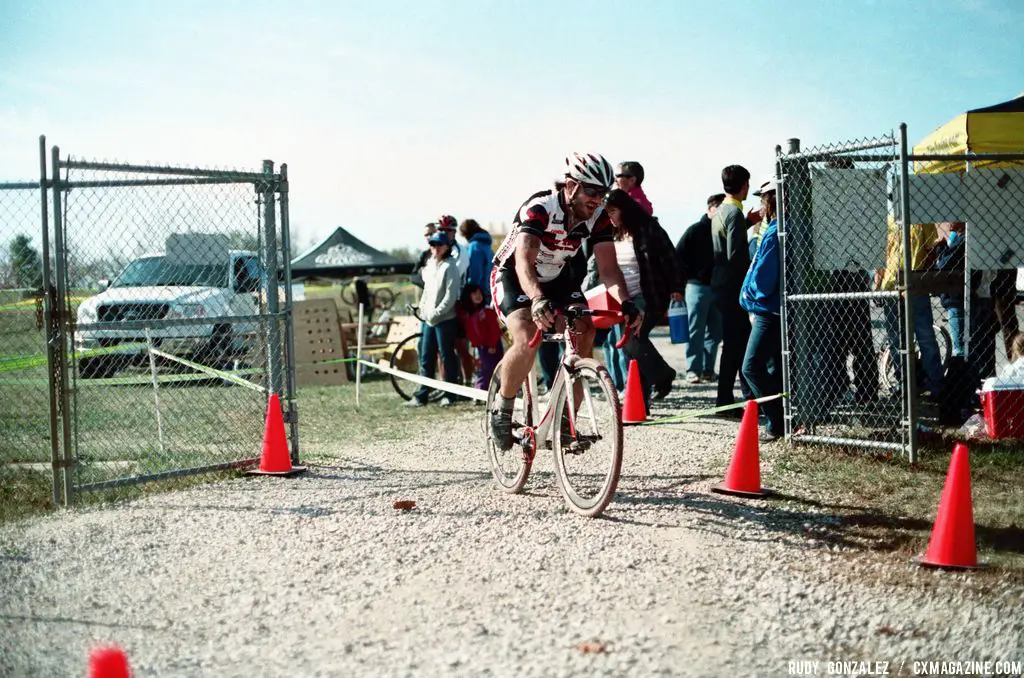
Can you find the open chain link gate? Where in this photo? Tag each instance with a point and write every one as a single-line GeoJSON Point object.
{"type": "Point", "coordinates": [145, 316]}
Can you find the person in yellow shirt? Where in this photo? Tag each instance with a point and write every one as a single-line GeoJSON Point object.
{"type": "Point", "coordinates": [922, 239]}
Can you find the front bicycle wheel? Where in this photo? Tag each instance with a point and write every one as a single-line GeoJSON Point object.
{"type": "Point", "coordinates": [588, 443]}
{"type": "Point", "coordinates": [405, 357]}
{"type": "Point", "coordinates": [511, 468]}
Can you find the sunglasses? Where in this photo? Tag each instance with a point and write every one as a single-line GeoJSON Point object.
{"type": "Point", "coordinates": [592, 191]}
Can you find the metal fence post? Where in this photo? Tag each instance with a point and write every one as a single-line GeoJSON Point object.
{"type": "Point", "coordinates": [787, 411]}
{"type": "Point", "coordinates": [61, 322]}
{"type": "Point", "coordinates": [286, 249]}
{"type": "Point", "coordinates": [909, 357]}
{"type": "Point", "coordinates": [270, 262]}
{"type": "Point", "coordinates": [53, 356]}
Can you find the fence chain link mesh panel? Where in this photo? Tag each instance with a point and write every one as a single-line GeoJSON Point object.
{"type": "Point", "coordinates": [967, 218]}
{"type": "Point", "coordinates": [174, 334]}
{"type": "Point", "coordinates": [26, 454]}
{"type": "Point", "coordinates": [842, 338]}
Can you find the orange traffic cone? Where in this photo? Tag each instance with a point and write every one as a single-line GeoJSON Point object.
{"type": "Point", "coordinates": [633, 409]}
{"type": "Point", "coordinates": [108, 662]}
{"type": "Point", "coordinates": [744, 475]}
{"type": "Point", "coordinates": [275, 460]}
{"type": "Point", "coordinates": [952, 541]}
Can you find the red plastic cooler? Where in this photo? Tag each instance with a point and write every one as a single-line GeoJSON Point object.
{"type": "Point", "coordinates": [598, 299]}
{"type": "Point", "coordinates": [1003, 410]}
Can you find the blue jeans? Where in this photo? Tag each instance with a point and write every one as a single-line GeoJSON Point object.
{"type": "Point", "coordinates": [617, 355]}
{"type": "Point", "coordinates": [764, 348]}
{"type": "Point", "coordinates": [955, 316]}
{"type": "Point", "coordinates": [924, 336]}
{"type": "Point", "coordinates": [440, 337]}
{"type": "Point", "coordinates": [612, 359]}
{"type": "Point", "coordinates": [705, 329]}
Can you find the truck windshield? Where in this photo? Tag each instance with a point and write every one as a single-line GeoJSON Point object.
{"type": "Point", "coordinates": [157, 271]}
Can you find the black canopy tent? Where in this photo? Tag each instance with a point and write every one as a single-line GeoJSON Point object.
{"type": "Point", "coordinates": [342, 255]}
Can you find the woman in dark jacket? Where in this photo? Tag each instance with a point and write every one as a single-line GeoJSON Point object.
{"type": "Point", "coordinates": [646, 256]}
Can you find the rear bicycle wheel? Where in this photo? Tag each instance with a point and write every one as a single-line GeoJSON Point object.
{"type": "Point", "coordinates": [588, 445]}
{"type": "Point", "coordinates": [511, 468]}
{"type": "Point", "coordinates": [399, 360]}
{"type": "Point", "coordinates": [348, 295]}
{"type": "Point", "coordinates": [384, 298]}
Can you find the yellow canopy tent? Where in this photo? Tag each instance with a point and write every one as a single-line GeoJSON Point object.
{"type": "Point", "coordinates": [994, 129]}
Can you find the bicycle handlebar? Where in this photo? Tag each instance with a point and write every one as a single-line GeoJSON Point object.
{"type": "Point", "coordinates": [415, 310]}
{"type": "Point", "coordinates": [580, 312]}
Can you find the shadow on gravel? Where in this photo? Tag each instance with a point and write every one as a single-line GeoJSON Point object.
{"type": "Point", "coordinates": [858, 518]}
{"type": "Point", "coordinates": [22, 619]}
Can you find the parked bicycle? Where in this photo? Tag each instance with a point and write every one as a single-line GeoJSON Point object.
{"type": "Point", "coordinates": [382, 298]}
{"type": "Point", "coordinates": [587, 443]}
{"type": "Point", "coordinates": [404, 388]}
{"type": "Point", "coordinates": [890, 381]}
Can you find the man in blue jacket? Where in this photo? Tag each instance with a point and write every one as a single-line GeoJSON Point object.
{"type": "Point", "coordinates": [480, 256]}
{"type": "Point", "coordinates": [760, 296]}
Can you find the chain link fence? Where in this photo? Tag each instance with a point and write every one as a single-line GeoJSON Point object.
{"type": "Point", "coordinates": [861, 287]}
{"type": "Point", "coordinates": [26, 437]}
{"type": "Point", "coordinates": [151, 351]}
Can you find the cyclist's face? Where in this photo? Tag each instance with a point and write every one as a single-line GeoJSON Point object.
{"type": "Point", "coordinates": [585, 198]}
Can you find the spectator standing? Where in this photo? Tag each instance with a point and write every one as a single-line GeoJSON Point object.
{"type": "Point", "coordinates": [629, 176]}
{"type": "Point", "coordinates": [729, 268]}
{"type": "Point", "coordinates": [437, 308]}
{"type": "Point", "coordinates": [695, 253]}
{"type": "Point", "coordinates": [479, 256]}
{"type": "Point", "coordinates": [922, 254]}
{"type": "Point", "coordinates": [484, 333]}
{"type": "Point", "coordinates": [416, 277]}
{"type": "Point", "coordinates": [447, 225]}
{"type": "Point", "coordinates": [760, 296]}
{"type": "Point", "coordinates": [647, 260]}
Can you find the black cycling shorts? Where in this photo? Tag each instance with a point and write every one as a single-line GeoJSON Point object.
{"type": "Point", "coordinates": [508, 295]}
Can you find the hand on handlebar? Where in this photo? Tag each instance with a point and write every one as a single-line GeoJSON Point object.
{"type": "Point", "coordinates": [633, 315]}
{"type": "Point", "coordinates": [543, 313]}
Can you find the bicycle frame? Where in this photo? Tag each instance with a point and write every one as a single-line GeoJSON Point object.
{"type": "Point", "coordinates": [570, 356]}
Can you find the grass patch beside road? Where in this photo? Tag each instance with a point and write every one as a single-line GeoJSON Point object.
{"type": "Point", "coordinates": [328, 415]}
{"type": "Point", "coordinates": [883, 504]}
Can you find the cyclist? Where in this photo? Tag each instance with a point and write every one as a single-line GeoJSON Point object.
{"type": "Point", "coordinates": [532, 275]}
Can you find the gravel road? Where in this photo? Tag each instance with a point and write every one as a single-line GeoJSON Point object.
{"type": "Point", "coordinates": [319, 576]}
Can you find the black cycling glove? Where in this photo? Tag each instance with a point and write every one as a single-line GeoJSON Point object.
{"type": "Point", "coordinates": [630, 310]}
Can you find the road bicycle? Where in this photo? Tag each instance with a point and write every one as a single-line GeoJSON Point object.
{"type": "Point", "coordinates": [587, 443]}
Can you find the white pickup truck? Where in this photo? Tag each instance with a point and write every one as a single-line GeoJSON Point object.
{"type": "Point", "coordinates": [195, 277]}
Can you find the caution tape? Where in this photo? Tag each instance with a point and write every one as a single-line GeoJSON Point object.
{"type": "Point", "coordinates": [713, 410]}
{"type": "Point", "coordinates": [13, 364]}
{"type": "Point", "coordinates": [457, 389]}
{"type": "Point", "coordinates": [220, 374]}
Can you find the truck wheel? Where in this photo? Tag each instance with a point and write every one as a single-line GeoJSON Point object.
{"type": "Point", "coordinates": [94, 368]}
{"type": "Point", "coordinates": [219, 353]}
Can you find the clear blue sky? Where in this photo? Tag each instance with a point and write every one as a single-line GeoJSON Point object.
{"type": "Point", "coordinates": [392, 113]}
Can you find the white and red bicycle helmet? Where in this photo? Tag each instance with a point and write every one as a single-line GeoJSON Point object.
{"type": "Point", "coordinates": [589, 168]}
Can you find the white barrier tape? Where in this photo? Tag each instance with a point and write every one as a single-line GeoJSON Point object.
{"type": "Point", "coordinates": [465, 391]}
{"type": "Point", "coordinates": [210, 371]}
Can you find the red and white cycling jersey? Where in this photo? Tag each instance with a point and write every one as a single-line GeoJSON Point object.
{"type": "Point", "coordinates": [543, 215]}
